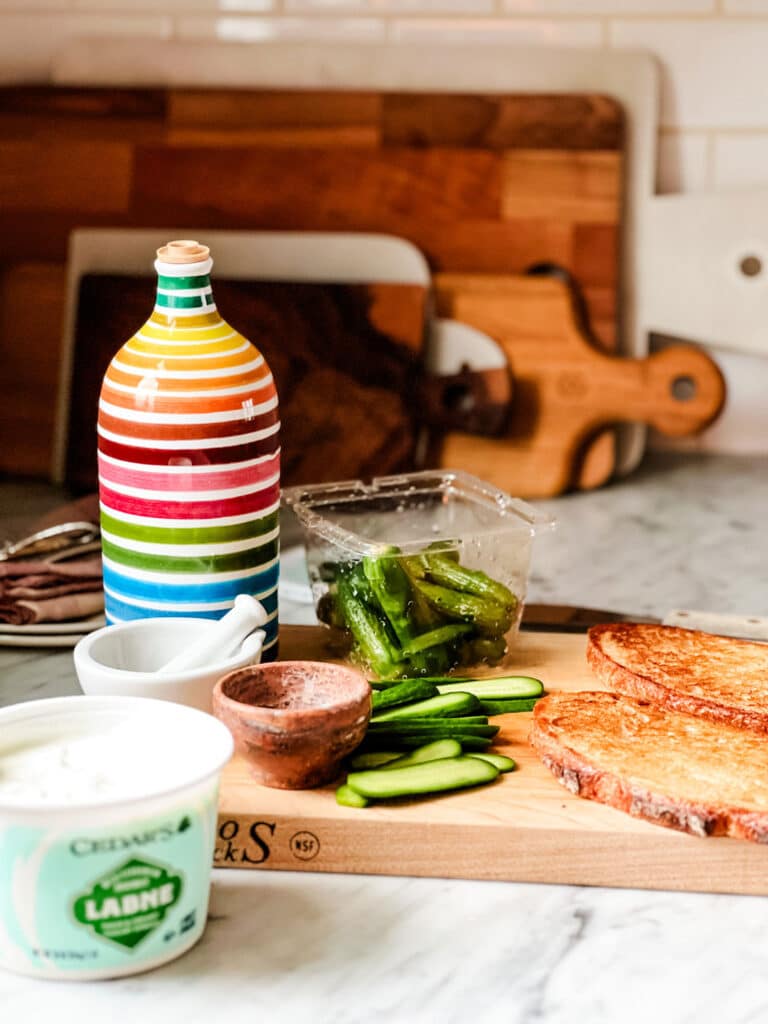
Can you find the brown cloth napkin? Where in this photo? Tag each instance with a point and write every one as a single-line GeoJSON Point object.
{"type": "Point", "coordinates": [37, 590]}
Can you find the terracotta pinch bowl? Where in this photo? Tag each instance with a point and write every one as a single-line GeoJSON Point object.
{"type": "Point", "coordinates": [294, 721]}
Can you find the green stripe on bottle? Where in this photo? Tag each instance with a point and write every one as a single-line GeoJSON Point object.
{"type": "Point", "coordinates": [173, 283]}
{"type": "Point", "coordinates": [185, 301]}
{"type": "Point", "coordinates": [252, 558]}
{"type": "Point", "coordinates": [188, 534]}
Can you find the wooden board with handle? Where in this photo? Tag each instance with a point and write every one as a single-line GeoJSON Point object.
{"type": "Point", "coordinates": [566, 390]}
{"type": "Point", "coordinates": [525, 827]}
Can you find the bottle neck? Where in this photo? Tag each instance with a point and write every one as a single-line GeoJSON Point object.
{"type": "Point", "coordinates": [184, 289]}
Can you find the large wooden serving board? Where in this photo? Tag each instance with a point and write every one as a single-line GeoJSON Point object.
{"type": "Point", "coordinates": [525, 827]}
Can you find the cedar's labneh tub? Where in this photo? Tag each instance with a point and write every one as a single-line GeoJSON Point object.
{"type": "Point", "coordinates": [107, 822]}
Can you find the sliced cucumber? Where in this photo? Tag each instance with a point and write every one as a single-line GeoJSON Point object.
{"type": "Point", "coordinates": [508, 707]}
{"type": "Point", "coordinates": [434, 751]}
{"type": "Point", "coordinates": [496, 687]}
{"type": "Point", "coordinates": [373, 759]}
{"type": "Point", "coordinates": [466, 719]}
{"type": "Point", "coordinates": [439, 727]}
{"type": "Point", "coordinates": [430, 777]}
{"type": "Point", "coordinates": [402, 693]}
{"type": "Point", "coordinates": [348, 797]}
{"type": "Point", "coordinates": [500, 761]}
{"type": "Point", "coordinates": [444, 705]}
{"type": "Point", "coordinates": [411, 741]}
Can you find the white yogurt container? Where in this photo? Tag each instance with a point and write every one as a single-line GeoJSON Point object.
{"type": "Point", "coordinates": [107, 827]}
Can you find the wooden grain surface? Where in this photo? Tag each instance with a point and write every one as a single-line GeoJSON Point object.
{"type": "Point", "coordinates": [525, 827]}
{"type": "Point", "coordinates": [566, 389]}
{"type": "Point", "coordinates": [486, 184]}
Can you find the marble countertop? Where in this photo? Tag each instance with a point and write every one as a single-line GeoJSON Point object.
{"type": "Point", "coordinates": [285, 947]}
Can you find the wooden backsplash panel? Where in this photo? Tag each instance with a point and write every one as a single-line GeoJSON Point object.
{"type": "Point", "coordinates": [479, 183]}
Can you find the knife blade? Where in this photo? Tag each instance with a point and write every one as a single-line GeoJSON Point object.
{"type": "Point", "coordinates": [574, 619]}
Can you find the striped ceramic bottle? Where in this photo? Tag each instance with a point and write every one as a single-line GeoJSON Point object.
{"type": "Point", "coordinates": [189, 459]}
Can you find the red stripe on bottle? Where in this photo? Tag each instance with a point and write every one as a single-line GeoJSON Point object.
{"type": "Point", "coordinates": [219, 456]}
{"type": "Point", "coordinates": [166, 508]}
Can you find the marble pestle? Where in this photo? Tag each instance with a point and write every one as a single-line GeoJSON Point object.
{"type": "Point", "coordinates": [223, 639]}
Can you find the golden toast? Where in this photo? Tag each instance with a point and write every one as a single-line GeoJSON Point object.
{"type": "Point", "coordinates": [716, 677]}
{"type": "Point", "coordinates": [669, 768]}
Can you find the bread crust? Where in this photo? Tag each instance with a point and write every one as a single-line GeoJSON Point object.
{"type": "Point", "coordinates": [672, 688]}
{"type": "Point", "coordinates": [560, 721]}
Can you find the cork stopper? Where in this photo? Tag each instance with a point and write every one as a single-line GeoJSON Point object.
{"type": "Point", "coordinates": [184, 250]}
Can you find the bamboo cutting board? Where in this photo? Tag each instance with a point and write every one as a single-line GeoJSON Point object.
{"type": "Point", "coordinates": [525, 827]}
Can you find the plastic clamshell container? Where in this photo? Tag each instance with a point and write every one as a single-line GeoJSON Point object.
{"type": "Point", "coordinates": [107, 828]}
{"type": "Point", "coordinates": [450, 512]}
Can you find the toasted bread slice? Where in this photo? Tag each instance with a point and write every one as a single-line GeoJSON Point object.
{"type": "Point", "coordinates": [669, 768]}
{"type": "Point", "coordinates": [717, 677]}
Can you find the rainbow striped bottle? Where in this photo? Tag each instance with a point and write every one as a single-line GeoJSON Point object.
{"type": "Point", "coordinates": [189, 459]}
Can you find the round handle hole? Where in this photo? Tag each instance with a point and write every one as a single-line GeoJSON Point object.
{"type": "Point", "coordinates": [458, 398]}
{"type": "Point", "coordinates": [751, 266]}
{"type": "Point", "coordinates": [683, 388]}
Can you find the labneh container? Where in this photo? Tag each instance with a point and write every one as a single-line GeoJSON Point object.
{"type": "Point", "coordinates": [107, 828]}
{"type": "Point", "coordinates": [421, 573]}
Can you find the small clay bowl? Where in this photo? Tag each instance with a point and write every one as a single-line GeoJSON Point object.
{"type": "Point", "coordinates": [294, 721]}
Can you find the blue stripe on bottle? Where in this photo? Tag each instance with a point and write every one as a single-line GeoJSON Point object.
{"type": "Point", "coordinates": [224, 590]}
{"type": "Point", "coordinates": [122, 611]}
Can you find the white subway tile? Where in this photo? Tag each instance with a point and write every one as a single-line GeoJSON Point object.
{"type": "Point", "coordinates": [28, 42]}
{"type": "Point", "coordinates": [504, 31]}
{"type": "Point", "coordinates": [616, 7]}
{"type": "Point", "coordinates": [26, 6]}
{"type": "Point", "coordinates": [232, 29]}
{"type": "Point", "coordinates": [714, 70]}
{"type": "Point", "coordinates": [741, 160]}
{"type": "Point", "coordinates": [745, 6]}
{"type": "Point", "coordinates": [178, 6]}
{"type": "Point", "coordinates": [683, 162]}
{"type": "Point", "coordinates": [477, 7]}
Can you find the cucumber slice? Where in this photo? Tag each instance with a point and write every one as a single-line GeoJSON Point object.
{"type": "Point", "coordinates": [434, 751]}
{"type": "Point", "coordinates": [430, 777]}
{"type": "Point", "coordinates": [373, 759]}
{"type": "Point", "coordinates": [402, 693]}
{"type": "Point", "coordinates": [466, 719]}
{"type": "Point", "coordinates": [496, 687]}
{"type": "Point", "coordinates": [348, 797]}
{"type": "Point", "coordinates": [500, 761]}
{"type": "Point", "coordinates": [508, 707]}
{"type": "Point", "coordinates": [444, 705]}
{"type": "Point", "coordinates": [412, 741]}
{"type": "Point", "coordinates": [437, 727]}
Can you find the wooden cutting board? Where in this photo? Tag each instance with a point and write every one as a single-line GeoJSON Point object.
{"type": "Point", "coordinates": [566, 390]}
{"type": "Point", "coordinates": [525, 827]}
{"type": "Point", "coordinates": [481, 183]}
